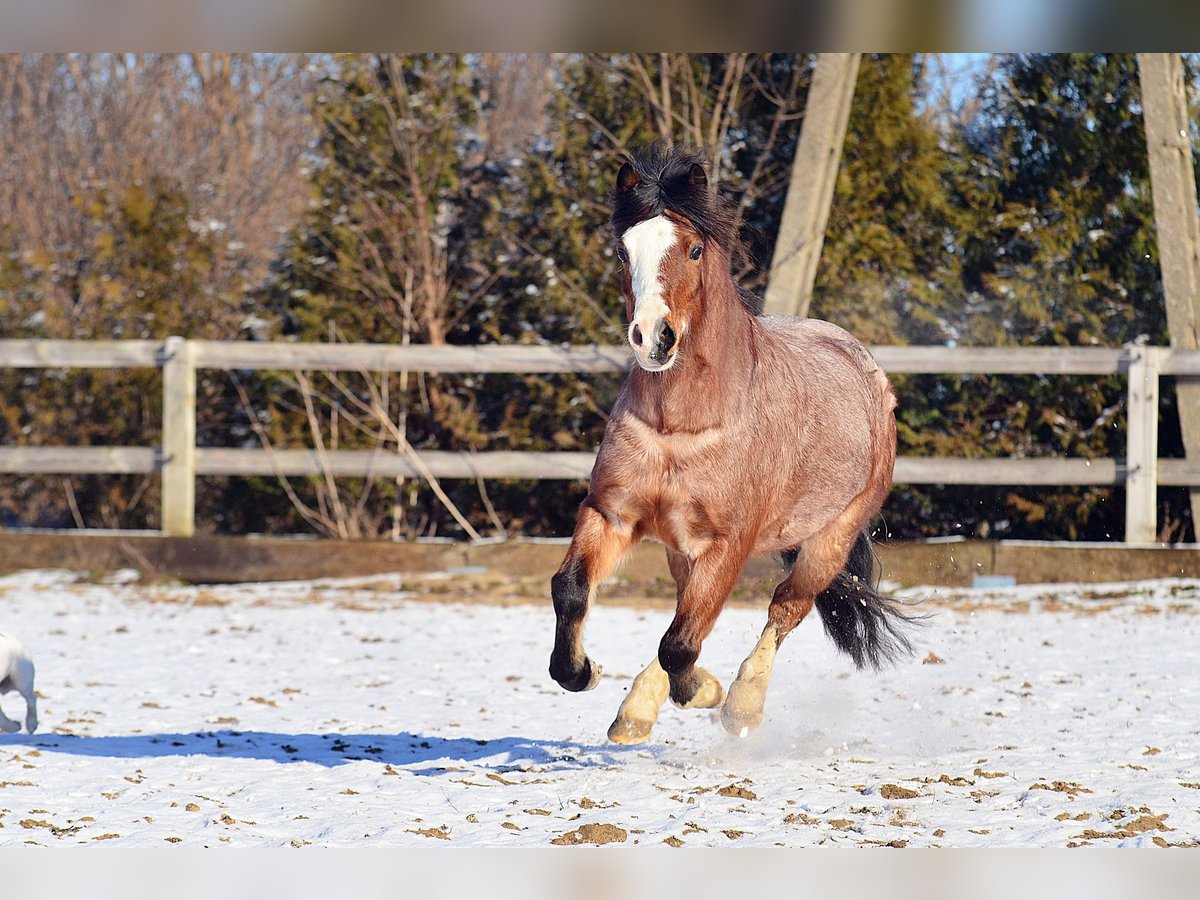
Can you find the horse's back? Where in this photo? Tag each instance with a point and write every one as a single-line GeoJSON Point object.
{"type": "Point", "coordinates": [830, 358]}
{"type": "Point", "coordinates": [804, 335]}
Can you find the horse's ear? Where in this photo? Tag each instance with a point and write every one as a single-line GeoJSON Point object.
{"type": "Point", "coordinates": [627, 179]}
{"type": "Point", "coordinates": [697, 177]}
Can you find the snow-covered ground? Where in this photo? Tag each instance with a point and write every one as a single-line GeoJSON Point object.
{"type": "Point", "coordinates": [354, 713]}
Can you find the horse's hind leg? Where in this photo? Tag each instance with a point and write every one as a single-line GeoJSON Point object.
{"type": "Point", "coordinates": [597, 546]}
{"type": "Point", "coordinates": [649, 691]}
{"type": "Point", "coordinates": [817, 563]}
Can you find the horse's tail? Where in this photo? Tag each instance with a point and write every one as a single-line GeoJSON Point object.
{"type": "Point", "coordinates": [862, 622]}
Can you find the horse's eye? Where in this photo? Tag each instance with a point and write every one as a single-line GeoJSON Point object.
{"type": "Point", "coordinates": [622, 255]}
{"type": "Point", "coordinates": [695, 252]}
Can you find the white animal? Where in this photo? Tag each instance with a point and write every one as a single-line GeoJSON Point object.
{"type": "Point", "coordinates": [16, 674]}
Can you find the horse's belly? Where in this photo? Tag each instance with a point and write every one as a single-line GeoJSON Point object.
{"type": "Point", "coordinates": [811, 500]}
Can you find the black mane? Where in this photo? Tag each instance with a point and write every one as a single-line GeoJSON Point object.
{"type": "Point", "coordinates": [658, 179]}
{"type": "Point", "coordinates": [750, 300]}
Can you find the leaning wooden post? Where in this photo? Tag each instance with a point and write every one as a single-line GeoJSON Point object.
{"type": "Point", "coordinates": [810, 192]}
{"type": "Point", "coordinates": [179, 438]}
{"type": "Point", "coordinates": [1177, 223]}
{"type": "Point", "coordinates": [1141, 478]}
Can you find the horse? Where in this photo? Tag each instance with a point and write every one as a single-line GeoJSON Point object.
{"type": "Point", "coordinates": [735, 434]}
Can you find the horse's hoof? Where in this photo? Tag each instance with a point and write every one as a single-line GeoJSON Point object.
{"type": "Point", "coordinates": [594, 678]}
{"type": "Point", "coordinates": [742, 712]}
{"type": "Point", "coordinates": [629, 731]}
{"type": "Point", "coordinates": [740, 724]}
{"type": "Point", "coordinates": [709, 695]}
{"type": "Point", "coordinates": [585, 679]}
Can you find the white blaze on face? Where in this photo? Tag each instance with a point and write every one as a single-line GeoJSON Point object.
{"type": "Point", "coordinates": [646, 244]}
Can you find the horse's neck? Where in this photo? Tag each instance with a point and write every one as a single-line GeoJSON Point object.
{"type": "Point", "coordinates": [711, 379]}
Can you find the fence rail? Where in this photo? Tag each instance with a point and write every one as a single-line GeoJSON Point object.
{"type": "Point", "coordinates": [179, 461]}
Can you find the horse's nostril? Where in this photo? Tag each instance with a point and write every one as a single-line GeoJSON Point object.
{"type": "Point", "coordinates": [637, 336]}
{"type": "Point", "coordinates": [668, 339]}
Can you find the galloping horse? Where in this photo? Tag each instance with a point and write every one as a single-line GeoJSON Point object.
{"type": "Point", "coordinates": [735, 434]}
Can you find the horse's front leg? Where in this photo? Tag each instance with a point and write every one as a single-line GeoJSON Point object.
{"type": "Point", "coordinates": [713, 575]}
{"type": "Point", "coordinates": [639, 710]}
{"type": "Point", "coordinates": [599, 542]}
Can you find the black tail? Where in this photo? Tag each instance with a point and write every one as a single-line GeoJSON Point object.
{"type": "Point", "coordinates": [862, 622]}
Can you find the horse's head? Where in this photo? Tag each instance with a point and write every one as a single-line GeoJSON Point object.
{"type": "Point", "coordinates": [661, 281]}
{"type": "Point", "coordinates": [675, 238]}
{"type": "Point", "coordinates": [662, 256]}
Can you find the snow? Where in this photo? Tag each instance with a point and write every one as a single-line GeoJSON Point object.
{"type": "Point", "coordinates": [369, 712]}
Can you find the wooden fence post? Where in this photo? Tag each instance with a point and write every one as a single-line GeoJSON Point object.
{"type": "Point", "coordinates": [1141, 479]}
{"type": "Point", "coordinates": [810, 192]}
{"type": "Point", "coordinates": [1177, 227]}
{"type": "Point", "coordinates": [179, 438]}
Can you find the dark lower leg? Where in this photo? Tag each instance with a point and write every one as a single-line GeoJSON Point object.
{"type": "Point", "coordinates": [712, 576]}
{"type": "Point", "coordinates": [595, 550]}
{"type": "Point", "coordinates": [571, 590]}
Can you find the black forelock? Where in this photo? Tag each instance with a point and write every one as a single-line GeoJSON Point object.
{"type": "Point", "coordinates": [664, 182]}
{"type": "Point", "coordinates": [662, 179]}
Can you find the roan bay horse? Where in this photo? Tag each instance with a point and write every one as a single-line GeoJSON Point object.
{"type": "Point", "coordinates": [735, 434]}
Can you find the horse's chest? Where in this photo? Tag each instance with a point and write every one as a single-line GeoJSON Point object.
{"type": "Point", "coordinates": [683, 521]}
{"type": "Point", "coordinates": [674, 462]}
{"type": "Point", "coordinates": [675, 478]}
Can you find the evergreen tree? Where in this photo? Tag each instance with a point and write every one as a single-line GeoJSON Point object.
{"type": "Point", "coordinates": [429, 223]}
{"type": "Point", "coordinates": [1064, 252]}
{"type": "Point", "coordinates": [146, 274]}
{"type": "Point", "coordinates": [888, 272]}
{"type": "Point", "coordinates": [1057, 249]}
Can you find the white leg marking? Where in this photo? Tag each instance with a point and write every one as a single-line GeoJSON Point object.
{"type": "Point", "coordinates": [639, 710]}
{"type": "Point", "coordinates": [743, 710]}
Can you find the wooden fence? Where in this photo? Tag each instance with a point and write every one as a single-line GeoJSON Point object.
{"type": "Point", "coordinates": [179, 461]}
